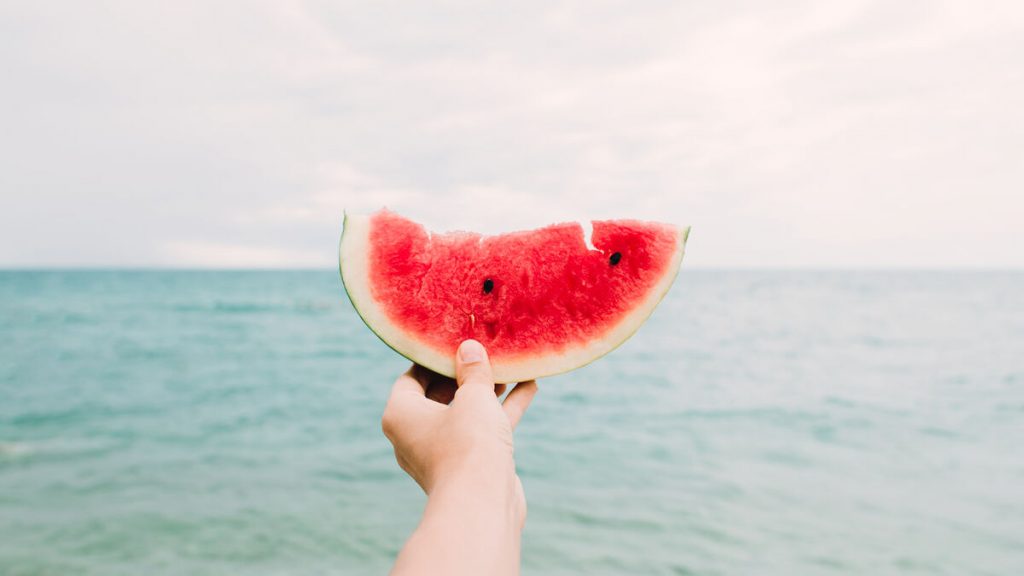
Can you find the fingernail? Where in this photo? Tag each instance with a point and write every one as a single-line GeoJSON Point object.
{"type": "Point", "coordinates": [471, 351]}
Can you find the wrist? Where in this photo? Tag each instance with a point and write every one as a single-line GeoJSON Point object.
{"type": "Point", "coordinates": [486, 488]}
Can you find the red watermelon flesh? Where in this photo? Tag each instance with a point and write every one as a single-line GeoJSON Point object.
{"type": "Point", "coordinates": [541, 301]}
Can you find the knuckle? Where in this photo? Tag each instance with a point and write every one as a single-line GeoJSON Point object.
{"type": "Point", "coordinates": [479, 379]}
{"type": "Point", "coordinates": [389, 422]}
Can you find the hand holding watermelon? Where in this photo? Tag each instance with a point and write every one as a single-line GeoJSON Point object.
{"type": "Point", "coordinates": [543, 302]}
{"type": "Point", "coordinates": [455, 439]}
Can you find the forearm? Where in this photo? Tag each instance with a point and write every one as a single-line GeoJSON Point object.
{"type": "Point", "coordinates": [471, 525]}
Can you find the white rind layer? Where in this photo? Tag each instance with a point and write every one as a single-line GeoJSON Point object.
{"type": "Point", "coordinates": [353, 251]}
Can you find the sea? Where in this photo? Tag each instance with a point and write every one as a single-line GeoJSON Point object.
{"type": "Point", "coordinates": [761, 423]}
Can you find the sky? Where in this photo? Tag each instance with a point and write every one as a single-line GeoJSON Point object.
{"type": "Point", "coordinates": [853, 134]}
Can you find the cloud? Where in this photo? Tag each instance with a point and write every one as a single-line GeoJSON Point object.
{"type": "Point", "coordinates": [214, 255]}
{"type": "Point", "coordinates": [790, 133]}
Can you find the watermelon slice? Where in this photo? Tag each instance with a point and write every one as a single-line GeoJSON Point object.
{"type": "Point", "coordinates": [542, 302]}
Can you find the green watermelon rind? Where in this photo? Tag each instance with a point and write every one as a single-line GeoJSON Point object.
{"type": "Point", "coordinates": [542, 365]}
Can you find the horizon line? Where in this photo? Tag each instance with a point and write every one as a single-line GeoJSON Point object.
{"type": "Point", "coordinates": [136, 268]}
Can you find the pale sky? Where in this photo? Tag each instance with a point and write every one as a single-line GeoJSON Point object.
{"type": "Point", "coordinates": [787, 133]}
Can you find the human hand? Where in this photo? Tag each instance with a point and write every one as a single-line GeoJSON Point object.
{"type": "Point", "coordinates": [455, 439]}
{"type": "Point", "coordinates": [455, 433]}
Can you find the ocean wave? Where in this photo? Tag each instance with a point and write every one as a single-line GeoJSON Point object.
{"type": "Point", "coordinates": [15, 449]}
{"type": "Point", "coordinates": [244, 307]}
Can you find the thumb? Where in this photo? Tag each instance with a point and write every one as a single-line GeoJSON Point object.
{"type": "Point", "coordinates": [473, 368]}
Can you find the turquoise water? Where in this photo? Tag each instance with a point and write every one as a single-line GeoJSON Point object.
{"type": "Point", "coordinates": [760, 423]}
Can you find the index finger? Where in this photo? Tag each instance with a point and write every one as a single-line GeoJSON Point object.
{"type": "Point", "coordinates": [409, 383]}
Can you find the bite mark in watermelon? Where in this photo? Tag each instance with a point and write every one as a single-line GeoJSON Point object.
{"type": "Point", "coordinates": [541, 301]}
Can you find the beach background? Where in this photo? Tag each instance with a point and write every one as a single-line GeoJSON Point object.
{"type": "Point", "coordinates": [835, 384]}
{"type": "Point", "coordinates": [762, 422]}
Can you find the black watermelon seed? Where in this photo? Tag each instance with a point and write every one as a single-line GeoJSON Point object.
{"type": "Point", "coordinates": [488, 286]}
{"type": "Point", "coordinates": [615, 258]}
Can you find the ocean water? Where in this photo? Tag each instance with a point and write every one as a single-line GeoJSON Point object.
{"type": "Point", "coordinates": [761, 423]}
